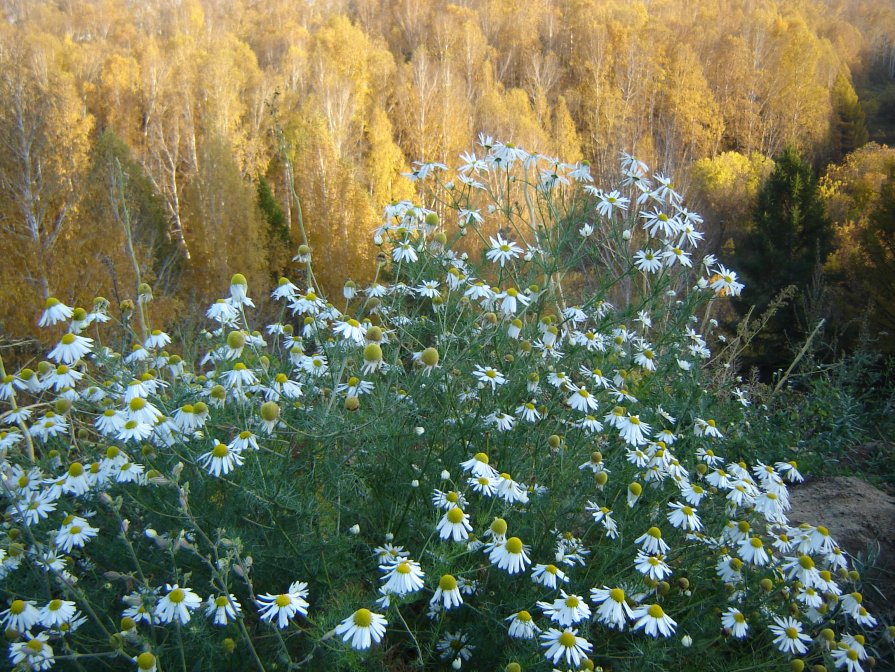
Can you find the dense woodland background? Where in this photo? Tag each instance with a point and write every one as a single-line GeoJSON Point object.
{"type": "Point", "coordinates": [176, 142]}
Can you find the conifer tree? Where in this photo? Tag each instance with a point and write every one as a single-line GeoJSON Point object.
{"type": "Point", "coordinates": [790, 238]}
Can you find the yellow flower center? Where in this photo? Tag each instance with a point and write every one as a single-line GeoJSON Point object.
{"type": "Point", "coordinates": [17, 607]}
{"type": "Point", "coordinates": [145, 661]}
{"type": "Point", "coordinates": [176, 596]}
{"type": "Point", "coordinates": [363, 618]}
{"type": "Point", "coordinates": [514, 545]}
{"type": "Point", "coordinates": [572, 602]}
{"type": "Point", "coordinates": [806, 562]}
{"type": "Point", "coordinates": [655, 611]}
{"type": "Point", "coordinates": [567, 639]}
{"type": "Point", "coordinates": [654, 532]}
{"type": "Point", "coordinates": [76, 469]}
{"type": "Point", "coordinates": [403, 568]}
{"type": "Point", "coordinates": [756, 542]}
{"type": "Point", "coordinates": [523, 616]}
{"type": "Point", "coordinates": [447, 583]}
{"type": "Point", "coordinates": [455, 515]}
{"type": "Point", "coordinates": [283, 601]}
{"type": "Point", "coordinates": [617, 595]}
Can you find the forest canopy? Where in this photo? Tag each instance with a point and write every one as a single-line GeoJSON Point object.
{"type": "Point", "coordinates": [173, 142]}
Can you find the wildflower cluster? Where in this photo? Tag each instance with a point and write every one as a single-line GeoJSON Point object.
{"type": "Point", "coordinates": [502, 452]}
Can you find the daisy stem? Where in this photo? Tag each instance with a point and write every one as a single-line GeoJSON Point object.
{"type": "Point", "coordinates": [21, 423]}
{"type": "Point", "coordinates": [416, 644]}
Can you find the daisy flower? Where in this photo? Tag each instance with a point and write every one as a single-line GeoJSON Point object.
{"type": "Point", "coordinates": [404, 251]}
{"type": "Point", "coordinates": [34, 654]}
{"type": "Point", "coordinates": [510, 555]}
{"type": "Point", "coordinates": [222, 609]}
{"type": "Point", "coordinates": [788, 635]}
{"type": "Point", "coordinates": [652, 566]}
{"type": "Point", "coordinates": [284, 606]}
{"type": "Point", "coordinates": [478, 466]}
{"type": "Point", "coordinates": [651, 542]}
{"type": "Point", "coordinates": [21, 616]}
{"type": "Point", "coordinates": [447, 595]}
{"type": "Point", "coordinates": [511, 491]}
{"type": "Point", "coordinates": [845, 656]}
{"type": "Point", "coordinates": [613, 610]}
{"type": "Point", "coordinates": [454, 524]}
{"type": "Point", "coordinates": [582, 400]}
{"type": "Point", "coordinates": [402, 577]}
{"type": "Point", "coordinates": [177, 604]}
{"type": "Point", "coordinates": [565, 644]}
{"type": "Point", "coordinates": [489, 376]}
{"type": "Point", "coordinates": [683, 516]}
{"type": "Point", "coordinates": [522, 626]}
{"type": "Point", "coordinates": [654, 621]}
{"type": "Point", "coordinates": [724, 282]}
{"type": "Point", "coordinates": [455, 645]}
{"type": "Point", "coordinates": [448, 500]}
{"type": "Point", "coordinates": [647, 261]}
{"type": "Point", "coordinates": [548, 575]}
{"type": "Point", "coordinates": [734, 621]}
{"type": "Point", "coordinates": [70, 349]}
{"type": "Point", "coordinates": [363, 628]}
{"type": "Point", "coordinates": [566, 610]}
{"type": "Point", "coordinates": [221, 460]}
{"type": "Point", "coordinates": [54, 311]}
{"type": "Point", "coordinates": [502, 251]}
{"type": "Point", "coordinates": [74, 533]}
{"type": "Point", "coordinates": [752, 550]}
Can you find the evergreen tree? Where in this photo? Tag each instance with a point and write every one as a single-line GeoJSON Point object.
{"type": "Point", "coordinates": [877, 270]}
{"type": "Point", "coordinates": [790, 238]}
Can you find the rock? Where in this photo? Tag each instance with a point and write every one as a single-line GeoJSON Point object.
{"type": "Point", "coordinates": [861, 518]}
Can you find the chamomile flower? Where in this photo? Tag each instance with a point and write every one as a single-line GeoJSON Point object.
{"type": "Point", "coordinates": [511, 491]}
{"type": "Point", "coordinates": [548, 576]}
{"type": "Point", "coordinates": [21, 616]}
{"type": "Point", "coordinates": [33, 654]}
{"type": "Point", "coordinates": [70, 349]}
{"type": "Point", "coordinates": [454, 525]}
{"type": "Point", "coordinates": [566, 610]}
{"type": "Point", "coordinates": [725, 283]}
{"type": "Point", "coordinates": [455, 645]}
{"type": "Point", "coordinates": [652, 566]}
{"type": "Point", "coordinates": [402, 577]}
{"type": "Point", "coordinates": [613, 611]}
{"type": "Point", "coordinates": [74, 533]}
{"type": "Point", "coordinates": [284, 606]}
{"type": "Point", "coordinates": [447, 595]}
{"type": "Point", "coordinates": [510, 555]}
{"type": "Point", "coordinates": [54, 311]}
{"type": "Point", "coordinates": [582, 400]}
{"type": "Point", "coordinates": [684, 516]}
{"type": "Point", "coordinates": [488, 375]}
{"type": "Point", "coordinates": [735, 622]}
{"type": "Point", "coordinates": [788, 635]}
{"type": "Point", "coordinates": [479, 465]}
{"type": "Point", "coordinates": [654, 621]}
{"type": "Point", "coordinates": [651, 542]}
{"type": "Point", "coordinates": [363, 629]}
{"type": "Point", "coordinates": [565, 645]}
{"type": "Point", "coordinates": [222, 609]}
{"type": "Point", "coordinates": [752, 550]}
{"type": "Point", "coordinates": [522, 625]}
{"type": "Point", "coordinates": [221, 460]}
{"type": "Point", "coordinates": [177, 604]}
{"type": "Point", "coordinates": [502, 251]}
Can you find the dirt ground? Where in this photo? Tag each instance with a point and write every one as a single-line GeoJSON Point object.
{"type": "Point", "coordinates": [861, 518]}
